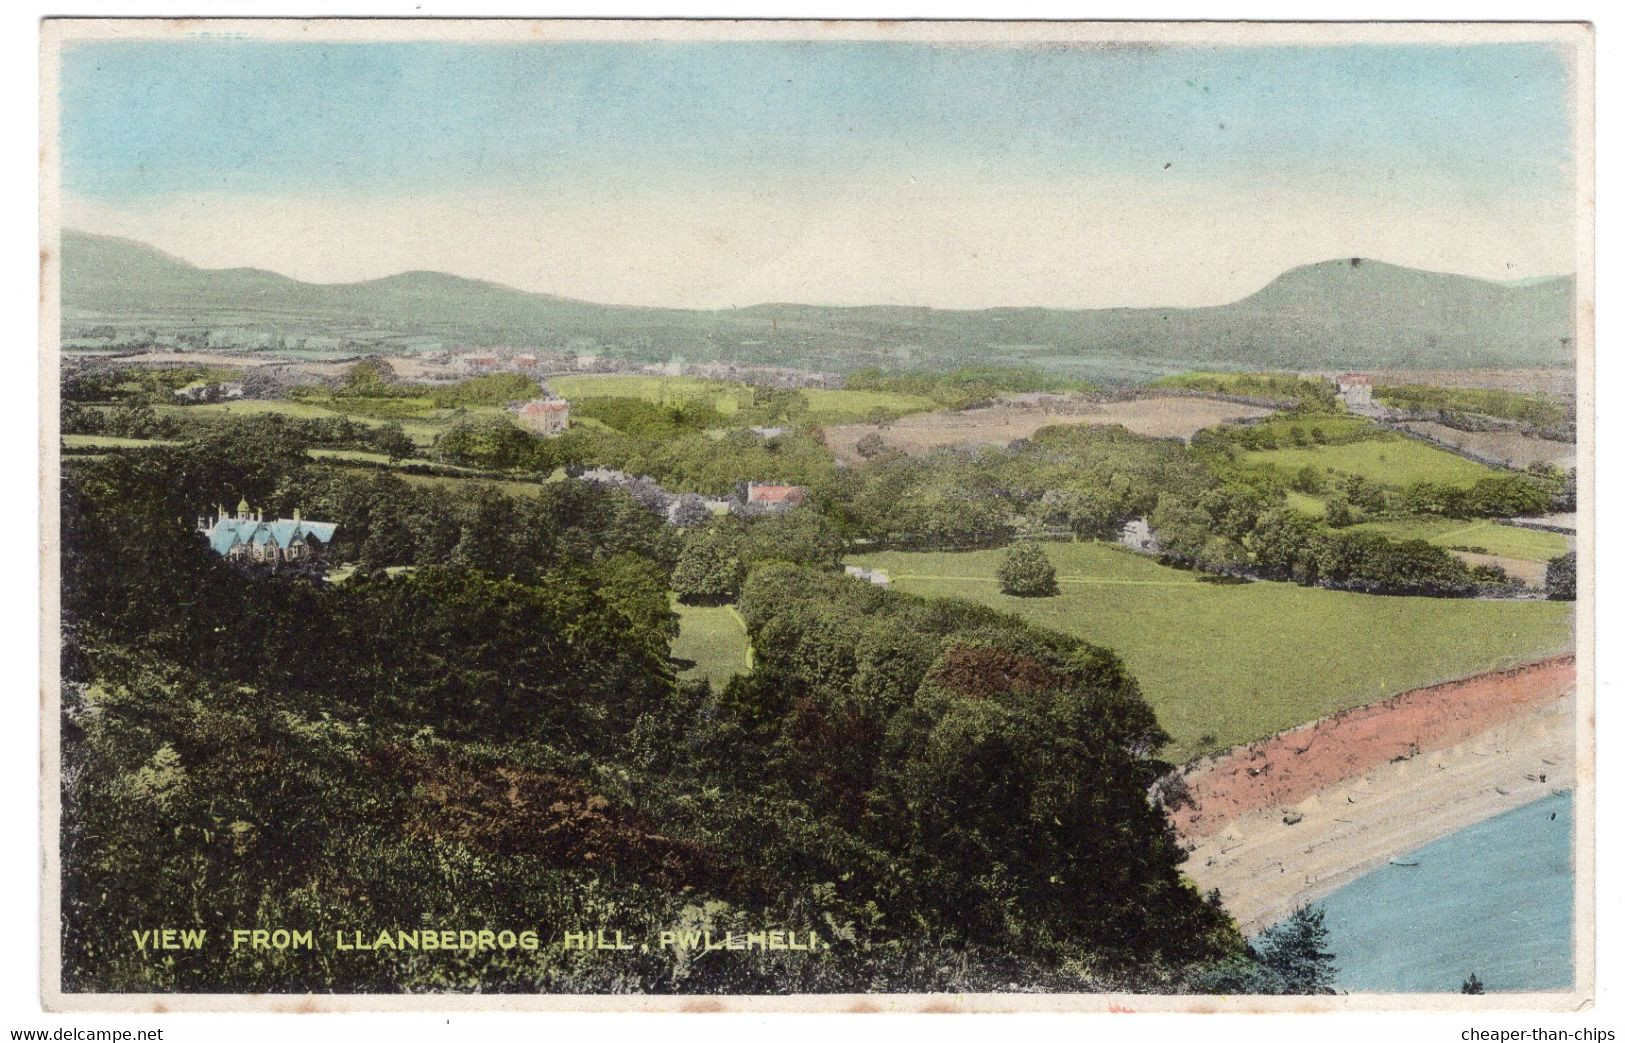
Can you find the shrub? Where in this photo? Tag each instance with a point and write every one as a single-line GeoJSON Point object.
{"type": "Point", "coordinates": [871, 445]}
{"type": "Point", "coordinates": [1027, 572]}
{"type": "Point", "coordinates": [1560, 582]}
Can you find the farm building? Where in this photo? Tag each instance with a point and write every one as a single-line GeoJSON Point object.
{"type": "Point", "coordinates": [247, 536]}
{"type": "Point", "coordinates": [545, 416]}
{"type": "Point", "coordinates": [1354, 390]}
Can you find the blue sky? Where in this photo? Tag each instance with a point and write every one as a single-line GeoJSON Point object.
{"type": "Point", "coordinates": [151, 127]}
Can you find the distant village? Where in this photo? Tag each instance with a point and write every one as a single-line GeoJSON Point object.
{"type": "Point", "coordinates": [415, 359]}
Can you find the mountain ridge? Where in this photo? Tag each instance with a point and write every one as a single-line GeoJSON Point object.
{"type": "Point", "coordinates": [1337, 313]}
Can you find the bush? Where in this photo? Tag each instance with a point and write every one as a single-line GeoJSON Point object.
{"type": "Point", "coordinates": [1026, 572]}
{"type": "Point", "coordinates": [1560, 581]}
{"type": "Point", "coordinates": [871, 445]}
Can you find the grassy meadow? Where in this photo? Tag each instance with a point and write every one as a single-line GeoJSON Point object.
{"type": "Point", "coordinates": [824, 404]}
{"type": "Point", "coordinates": [1507, 541]}
{"type": "Point", "coordinates": [72, 442]}
{"type": "Point", "coordinates": [713, 639]}
{"type": "Point", "coordinates": [420, 425]}
{"type": "Point", "coordinates": [1389, 460]}
{"type": "Point", "coordinates": [725, 398]}
{"type": "Point", "coordinates": [1228, 663]}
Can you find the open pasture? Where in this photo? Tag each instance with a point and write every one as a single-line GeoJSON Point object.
{"type": "Point", "coordinates": [1227, 663]}
{"type": "Point", "coordinates": [421, 421]}
{"type": "Point", "coordinates": [713, 639]}
{"type": "Point", "coordinates": [1480, 535]}
{"type": "Point", "coordinates": [725, 398]}
{"type": "Point", "coordinates": [1392, 460]}
{"type": "Point", "coordinates": [823, 404]}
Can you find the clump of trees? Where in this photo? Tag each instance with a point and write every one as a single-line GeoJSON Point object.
{"type": "Point", "coordinates": [916, 726]}
{"type": "Point", "coordinates": [709, 570]}
{"type": "Point", "coordinates": [494, 443]}
{"type": "Point", "coordinates": [1027, 572]}
{"type": "Point", "coordinates": [641, 418]}
{"type": "Point", "coordinates": [1238, 530]}
{"type": "Point", "coordinates": [716, 557]}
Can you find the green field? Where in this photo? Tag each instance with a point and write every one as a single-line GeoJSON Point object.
{"type": "Point", "coordinates": [725, 398]}
{"type": "Point", "coordinates": [714, 639]}
{"type": "Point", "coordinates": [823, 404]}
{"type": "Point", "coordinates": [459, 484]}
{"type": "Point", "coordinates": [1228, 663]}
{"type": "Point", "coordinates": [392, 407]}
{"type": "Point", "coordinates": [1508, 541]}
{"type": "Point", "coordinates": [364, 456]}
{"type": "Point", "coordinates": [111, 442]}
{"type": "Point", "coordinates": [423, 423]}
{"type": "Point", "coordinates": [1333, 429]}
{"type": "Point", "coordinates": [1304, 504]}
{"type": "Point", "coordinates": [255, 407]}
{"type": "Point", "coordinates": [1394, 460]}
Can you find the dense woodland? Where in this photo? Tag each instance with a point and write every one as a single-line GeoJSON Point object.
{"type": "Point", "coordinates": [951, 798]}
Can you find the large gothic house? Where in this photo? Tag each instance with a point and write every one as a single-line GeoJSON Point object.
{"type": "Point", "coordinates": [247, 536]}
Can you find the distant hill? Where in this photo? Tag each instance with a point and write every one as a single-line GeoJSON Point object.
{"type": "Point", "coordinates": [1340, 314]}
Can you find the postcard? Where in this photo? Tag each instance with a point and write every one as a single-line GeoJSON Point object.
{"type": "Point", "coordinates": [729, 515]}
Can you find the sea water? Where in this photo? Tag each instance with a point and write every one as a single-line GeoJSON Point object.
{"type": "Point", "coordinates": [1495, 899]}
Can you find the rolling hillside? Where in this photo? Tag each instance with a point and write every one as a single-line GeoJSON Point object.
{"type": "Point", "coordinates": [1337, 314]}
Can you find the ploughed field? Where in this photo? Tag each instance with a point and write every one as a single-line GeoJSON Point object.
{"type": "Point", "coordinates": [1227, 663]}
{"type": "Point", "coordinates": [1004, 422]}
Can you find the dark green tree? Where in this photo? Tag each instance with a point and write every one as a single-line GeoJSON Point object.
{"type": "Point", "coordinates": [1295, 949]}
{"type": "Point", "coordinates": [709, 569]}
{"type": "Point", "coordinates": [393, 442]}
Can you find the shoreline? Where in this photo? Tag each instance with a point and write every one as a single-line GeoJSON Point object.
{"type": "Point", "coordinates": [1295, 817]}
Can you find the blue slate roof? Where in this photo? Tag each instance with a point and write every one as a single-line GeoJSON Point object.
{"type": "Point", "coordinates": [228, 532]}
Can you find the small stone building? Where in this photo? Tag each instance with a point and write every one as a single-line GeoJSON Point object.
{"type": "Point", "coordinates": [1354, 390]}
{"type": "Point", "coordinates": [545, 416]}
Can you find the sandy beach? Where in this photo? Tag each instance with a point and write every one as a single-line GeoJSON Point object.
{"type": "Point", "coordinates": [1290, 820]}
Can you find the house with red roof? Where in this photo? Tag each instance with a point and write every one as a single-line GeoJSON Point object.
{"type": "Point", "coordinates": [764, 497]}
